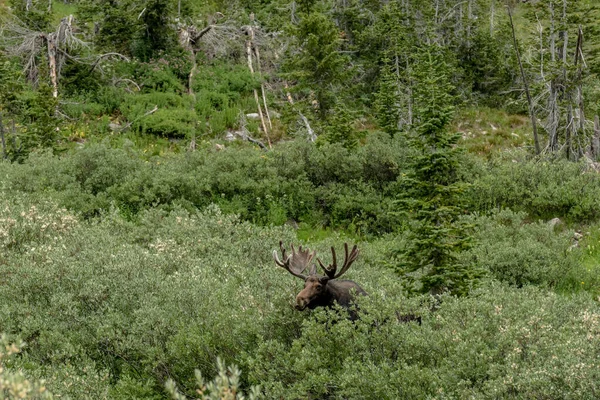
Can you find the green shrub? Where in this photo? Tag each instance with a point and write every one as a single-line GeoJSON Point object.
{"type": "Point", "coordinates": [544, 189]}
{"type": "Point", "coordinates": [111, 308]}
{"type": "Point", "coordinates": [324, 186]}
{"type": "Point", "coordinates": [176, 123]}
{"type": "Point", "coordinates": [500, 343]}
{"type": "Point", "coordinates": [15, 385]}
{"type": "Point", "coordinates": [521, 253]}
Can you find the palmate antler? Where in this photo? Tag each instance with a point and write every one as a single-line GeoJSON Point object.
{"type": "Point", "coordinates": [331, 269]}
{"type": "Point", "coordinates": [297, 262]}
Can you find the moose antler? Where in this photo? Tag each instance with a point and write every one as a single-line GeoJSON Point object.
{"type": "Point", "coordinates": [348, 260]}
{"type": "Point", "coordinates": [297, 262]}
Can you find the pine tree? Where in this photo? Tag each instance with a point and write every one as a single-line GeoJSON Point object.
{"type": "Point", "coordinates": [317, 67]}
{"type": "Point", "coordinates": [339, 127]}
{"type": "Point", "coordinates": [431, 193]}
{"type": "Point", "coordinates": [387, 111]}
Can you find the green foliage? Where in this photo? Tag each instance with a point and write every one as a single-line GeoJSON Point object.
{"type": "Point", "coordinates": [39, 117]}
{"type": "Point", "coordinates": [224, 386]}
{"type": "Point", "coordinates": [110, 308]}
{"type": "Point", "coordinates": [489, 64]}
{"type": "Point", "coordinates": [14, 385]}
{"type": "Point", "coordinates": [431, 192]}
{"type": "Point", "coordinates": [139, 28]}
{"type": "Point", "coordinates": [318, 68]}
{"type": "Point", "coordinates": [36, 14]}
{"type": "Point", "coordinates": [499, 342]}
{"type": "Point", "coordinates": [327, 185]}
{"type": "Point", "coordinates": [544, 189]}
{"type": "Point", "coordinates": [521, 253]}
{"type": "Point", "coordinates": [340, 128]}
{"type": "Point", "coordinates": [11, 86]}
{"type": "Point", "coordinates": [386, 100]}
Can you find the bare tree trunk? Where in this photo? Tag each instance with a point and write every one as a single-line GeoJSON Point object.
{"type": "Point", "coordinates": [540, 29]}
{"type": "Point", "coordinates": [492, 15]}
{"type": "Point", "coordinates": [469, 21]}
{"type": "Point", "coordinates": [51, 39]}
{"type": "Point", "coordinates": [578, 53]}
{"type": "Point", "coordinates": [249, 54]}
{"type": "Point", "coordinates": [4, 154]}
{"type": "Point", "coordinates": [525, 85]}
{"type": "Point", "coordinates": [553, 116]}
{"type": "Point", "coordinates": [552, 33]}
{"type": "Point", "coordinates": [262, 87]}
{"type": "Point", "coordinates": [596, 138]}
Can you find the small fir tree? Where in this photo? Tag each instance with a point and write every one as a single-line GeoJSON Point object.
{"type": "Point", "coordinates": [317, 66]}
{"type": "Point", "coordinates": [431, 193]}
{"type": "Point", "coordinates": [387, 111]}
{"type": "Point", "coordinates": [339, 127]}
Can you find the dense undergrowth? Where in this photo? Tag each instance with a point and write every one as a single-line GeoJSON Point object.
{"type": "Point", "coordinates": [121, 273]}
{"type": "Point", "coordinates": [111, 308]}
{"type": "Point", "coordinates": [135, 241]}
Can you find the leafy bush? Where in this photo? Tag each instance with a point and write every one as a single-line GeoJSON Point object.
{"type": "Point", "coordinates": [16, 385]}
{"type": "Point", "coordinates": [114, 308]}
{"type": "Point", "coordinates": [521, 253]}
{"type": "Point", "coordinates": [326, 185]}
{"type": "Point", "coordinates": [545, 189]}
{"type": "Point", "coordinates": [224, 386]}
{"type": "Point", "coordinates": [500, 342]}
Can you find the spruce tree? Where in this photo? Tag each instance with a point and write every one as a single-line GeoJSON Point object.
{"type": "Point", "coordinates": [431, 193]}
{"type": "Point", "coordinates": [316, 65]}
{"type": "Point", "coordinates": [387, 111]}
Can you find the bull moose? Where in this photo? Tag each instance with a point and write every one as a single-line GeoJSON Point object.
{"type": "Point", "coordinates": [320, 290]}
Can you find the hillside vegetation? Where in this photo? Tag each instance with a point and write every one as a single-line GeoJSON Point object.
{"type": "Point", "coordinates": [154, 153]}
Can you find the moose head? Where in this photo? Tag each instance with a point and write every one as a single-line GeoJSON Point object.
{"type": "Point", "coordinates": [320, 290]}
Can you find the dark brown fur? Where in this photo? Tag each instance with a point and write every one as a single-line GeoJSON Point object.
{"type": "Point", "coordinates": [320, 290]}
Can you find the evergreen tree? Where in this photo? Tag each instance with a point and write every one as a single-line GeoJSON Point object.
{"type": "Point", "coordinates": [387, 111]}
{"type": "Point", "coordinates": [36, 15]}
{"type": "Point", "coordinates": [339, 127]}
{"type": "Point", "coordinates": [431, 193]}
{"type": "Point", "coordinates": [317, 66]}
{"type": "Point", "coordinates": [141, 28]}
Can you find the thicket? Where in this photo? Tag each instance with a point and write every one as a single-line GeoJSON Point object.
{"type": "Point", "coordinates": [135, 243]}
{"type": "Point", "coordinates": [113, 309]}
{"type": "Point", "coordinates": [322, 186]}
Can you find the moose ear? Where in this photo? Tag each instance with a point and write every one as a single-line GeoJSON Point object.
{"type": "Point", "coordinates": [324, 279]}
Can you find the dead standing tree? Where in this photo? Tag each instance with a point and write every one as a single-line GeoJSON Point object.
{"type": "Point", "coordinates": [218, 39]}
{"type": "Point", "coordinates": [558, 97]}
{"type": "Point", "coordinates": [30, 46]}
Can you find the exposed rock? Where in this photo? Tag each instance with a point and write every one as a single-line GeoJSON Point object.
{"type": "Point", "coordinates": [555, 223]}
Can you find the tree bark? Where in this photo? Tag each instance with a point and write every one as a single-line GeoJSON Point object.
{"type": "Point", "coordinates": [249, 43]}
{"type": "Point", "coordinates": [4, 153]}
{"type": "Point", "coordinates": [596, 139]}
{"type": "Point", "coordinates": [51, 39]}
{"type": "Point", "coordinates": [492, 15]}
{"type": "Point", "coordinates": [262, 87]}
{"type": "Point", "coordinates": [525, 85]}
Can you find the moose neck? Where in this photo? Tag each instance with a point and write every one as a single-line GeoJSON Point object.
{"type": "Point", "coordinates": [335, 291]}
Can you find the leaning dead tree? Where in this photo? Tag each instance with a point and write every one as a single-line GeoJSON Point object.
{"type": "Point", "coordinates": [217, 39]}
{"type": "Point", "coordinates": [525, 84]}
{"type": "Point", "coordinates": [33, 46]}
